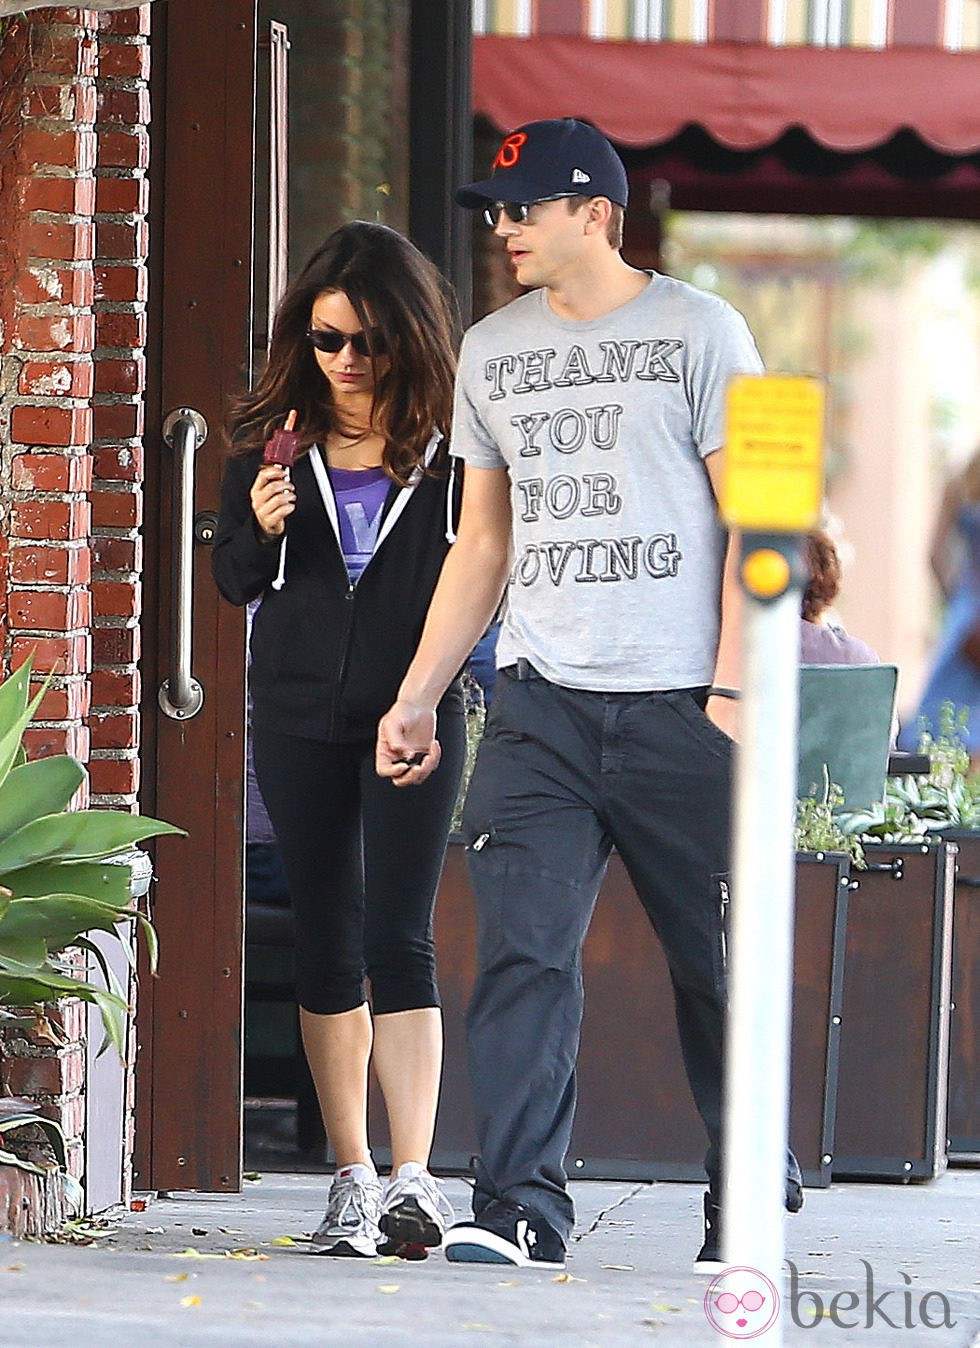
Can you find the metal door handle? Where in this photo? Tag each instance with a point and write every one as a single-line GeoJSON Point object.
{"type": "Point", "coordinates": [181, 696]}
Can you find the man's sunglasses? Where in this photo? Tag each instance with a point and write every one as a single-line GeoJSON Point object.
{"type": "Point", "coordinates": [331, 339]}
{"type": "Point", "coordinates": [517, 211]}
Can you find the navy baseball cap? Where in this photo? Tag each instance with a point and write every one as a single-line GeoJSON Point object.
{"type": "Point", "coordinates": [547, 159]}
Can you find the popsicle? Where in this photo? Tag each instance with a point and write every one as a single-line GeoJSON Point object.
{"type": "Point", "coordinates": [283, 445]}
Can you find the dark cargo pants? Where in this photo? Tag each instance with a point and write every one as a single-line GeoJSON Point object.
{"type": "Point", "coordinates": [562, 776]}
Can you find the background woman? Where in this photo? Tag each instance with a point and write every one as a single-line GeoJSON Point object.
{"type": "Point", "coordinates": [344, 549]}
{"type": "Point", "coordinates": [955, 559]}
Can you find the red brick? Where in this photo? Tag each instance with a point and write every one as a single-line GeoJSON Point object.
{"type": "Point", "coordinates": [50, 610]}
{"type": "Point", "coordinates": [55, 520]}
{"type": "Point", "coordinates": [121, 284]}
{"type": "Point", "coordinates": [122, 196]}
{"type": "Point", "coordinates": [122, 22]}
{"type": "Point", "coordinates": [64, 655]}
{"type": "Point", "coordinates": [52, 472]}
{"type": "Point", "coordinates": [124, 107]}
{"type": "Point", "coordinates": [122, 240]}
{"type": "Point", "coordinates": [70, 702]}
{"type": "Point", "coordinates": [126, 330]}
{"type": "Point", "coordinates": [42, 741]}
{"type": "Point", "coordinates": [49, 1074]}
{"type": "Point", "coordinates": [116, 554]}
{"type": "Point", "coordinates": [130, 60]}
{"type": "Point", "coordinates": [116, 510]}
{"type": "Point", "coordinates": [54, 379]}
{"type": "Point", "coordinates": [70, 53]}
{"type": "Point", "coordinates": [44, 284]}
{"type": "Point", "coordinates": [74, 103]}
{"type": "Point", "coordinates": [74, 241]}
{"type": "Point", "coordinates": [115, 688]}
{"type": "Point", "coordinates": [75, 195]}
{"type": "Point", "coordinates": [31, 425]}
{"type": "Point", "coordinates": [117, 421]}
{"type": "Point", "coordinates": [113, 730]}
{"type": "Point", "coordinates": [119, 463]}
{"type": "Point", "coordinates": [120, 376]}
{"type": "Point", "coordinates": [116, 598]}
{"type": "Point", "coordinates": [31, 564]}
{"type": "Point", "coordinates": [122, 149]}
{"type": "Point", "coordinates": [115, 645]}
{"type": "Point", "coordinates": [114, 776]}
{"type": "Point", "coordinates": [53, 332]}
{"type": "Point", "coordinates": [74, 149]}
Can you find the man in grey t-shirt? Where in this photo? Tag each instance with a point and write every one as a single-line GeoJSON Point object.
{"type": "Point", "coordinates": [590, 415]}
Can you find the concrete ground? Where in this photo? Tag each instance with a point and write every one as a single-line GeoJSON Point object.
{"type": "Point", "coordinates": [232, 1271]}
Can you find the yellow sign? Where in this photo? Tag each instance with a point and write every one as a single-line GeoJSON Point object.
{"type": "Point", "coordinates": [773, 470]}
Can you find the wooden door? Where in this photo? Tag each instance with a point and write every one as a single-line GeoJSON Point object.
{"type": "Point", "coordinates": [189, 1019]}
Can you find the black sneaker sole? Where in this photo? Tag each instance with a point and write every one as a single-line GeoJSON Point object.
{"type": "Point", "coordinates": [342, 1249]}
{"type": "Point", "coordinates": [486, 1247]}
{"type": "Point", "coordinates": [407, 1224]}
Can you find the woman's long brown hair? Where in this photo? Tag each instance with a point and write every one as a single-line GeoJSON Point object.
{"type": "Point", "coordinates": [383, 275]}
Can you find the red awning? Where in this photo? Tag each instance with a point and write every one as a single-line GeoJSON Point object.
{"type": "Point", "coordinates": [745, 97]}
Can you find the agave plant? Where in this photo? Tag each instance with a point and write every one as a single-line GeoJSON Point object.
{"type": "Point", "coordinates": [60, 877]}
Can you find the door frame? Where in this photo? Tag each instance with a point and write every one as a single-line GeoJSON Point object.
{"type": "Point", "coordinates": [189, 1081]}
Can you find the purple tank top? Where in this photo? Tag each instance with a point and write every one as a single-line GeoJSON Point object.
{"type": "Point", "coordinates": [360, 495]}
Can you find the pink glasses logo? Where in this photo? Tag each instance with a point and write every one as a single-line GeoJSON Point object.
{"type": "Point", "coordinates": [741, 1303]}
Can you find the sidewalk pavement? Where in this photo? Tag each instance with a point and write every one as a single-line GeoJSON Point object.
{"type": "Point", "coordinates": [195, 1269]}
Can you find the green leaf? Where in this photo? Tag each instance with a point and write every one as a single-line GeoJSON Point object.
{"type": "Point", "coordinates": [13, 696]}
{"type": "Point", "coordinates": [38, 788]}
{"type": "Point", "coordinates": [59, 918]}
{"type": "Point", "coordinates": [11, 750]}
{"type": "Point", "coordinates": [46, 985]}
{"type": "Point", "coordinates": [104, 883]}
{"type": "Point", "coordinates": [76, 836]}
{"type": "Point", "coordinates": [22, 954]}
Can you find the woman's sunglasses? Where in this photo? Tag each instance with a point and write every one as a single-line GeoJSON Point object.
{"type": "Point", "coordinates": [517, 211]}
{"type": "Point", "coordinates": [330, 339]}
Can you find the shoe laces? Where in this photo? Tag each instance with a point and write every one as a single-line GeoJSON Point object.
{"type": "Point", "coordinates": [351, 1197]}
{"type": "Point", "coordinates": [421, 1183]}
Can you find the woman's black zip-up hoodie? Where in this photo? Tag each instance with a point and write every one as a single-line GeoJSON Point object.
{"type": "Point", "coordinates": [327, 656]}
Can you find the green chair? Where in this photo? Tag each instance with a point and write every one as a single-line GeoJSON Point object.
{"type": "Point", "coordinates": [846, 714]}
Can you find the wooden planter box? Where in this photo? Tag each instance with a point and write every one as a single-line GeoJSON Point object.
{"type": "Point", "coordinates": [894, 1055]}
{"type": "Point", "coordinates": [635, 1118]}
{"type": "Point", "coordinates": [964, 1038]}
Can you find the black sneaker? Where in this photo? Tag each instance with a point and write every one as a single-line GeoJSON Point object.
{"type": "Point", "coordinates": [794, 1184]}
{"type": "Point", "coordinates": [505, 1233]}
{"type": "Point", "coordinates": [709, 1256]}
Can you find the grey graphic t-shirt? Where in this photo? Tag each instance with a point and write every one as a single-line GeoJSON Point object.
{"type": "Point", "coordinates": [603, 427]}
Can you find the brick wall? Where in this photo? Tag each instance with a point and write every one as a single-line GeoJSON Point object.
{"type": "Point", "coordinates": [73, 246]}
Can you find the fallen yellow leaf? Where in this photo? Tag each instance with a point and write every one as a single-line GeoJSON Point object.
{"type": "Point", "coordinates": [567, 1277]}
{"type": "Point", "coordinates": [388, 1287]}
{"type": "Point", "coordinates": [176, 1277]}
{"type": "Point", "coordinates": [190, 1301]}
{"type": "Point", "coordinates": [282, 1240]}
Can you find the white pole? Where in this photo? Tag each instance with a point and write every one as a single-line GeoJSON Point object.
{"type": "Point", "coordinates": [761, 944]}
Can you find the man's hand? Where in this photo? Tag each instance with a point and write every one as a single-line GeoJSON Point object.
{"type": "Point", "coordinates": [723, 711]}
{"type": "Point", "coordinates": [407, 749]}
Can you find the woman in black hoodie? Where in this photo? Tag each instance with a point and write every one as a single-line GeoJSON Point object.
{"type": "Point", "coordinates": [344, 548]}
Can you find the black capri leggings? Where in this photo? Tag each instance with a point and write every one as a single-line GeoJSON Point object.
{"type": "Point", "coordinates": [363, 860]}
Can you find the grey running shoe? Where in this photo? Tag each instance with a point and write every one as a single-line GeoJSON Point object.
{"type": "Point", "coordinates": [414, 1210]}
{"type": "Point", "coordinates": [350, 1223]}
